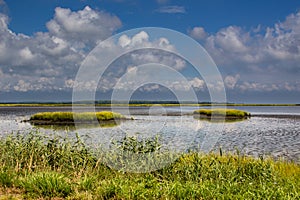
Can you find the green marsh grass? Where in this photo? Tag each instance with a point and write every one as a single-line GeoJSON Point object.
{"type": "Point", "coordinates": [40, 166]}
{"type": "Point", "coordinates": [46, 184]}
{"type": "Point", "coordinates": [230, 113]}
{"type": "Point", "coordinates": [70, 116]}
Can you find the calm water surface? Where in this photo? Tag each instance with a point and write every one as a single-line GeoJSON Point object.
{"type": "Point", "coordinates": [277, 137]}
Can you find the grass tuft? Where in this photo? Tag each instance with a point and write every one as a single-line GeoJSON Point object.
{"type": "Point", "coordinates": [6, 179]}
{"type": "Point", "coordinates": [46, 184]}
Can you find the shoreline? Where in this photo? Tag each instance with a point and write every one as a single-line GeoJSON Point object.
{"type": "Point", "coordinates": [280, 116]}
{"type": "Point", "coordinates": [139, 104]}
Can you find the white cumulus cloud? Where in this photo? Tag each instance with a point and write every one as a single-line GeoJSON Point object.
{"type": "Point", "coordinates": [261, 57]}
{"type": "Point", "coordinates": [230, 81]}
{"type": "Point", "coordinates": [27, 63]}
{"type": "Point", "coordinates": [85, 25]}
{"type": "Point", "coordinates": [198, 33]}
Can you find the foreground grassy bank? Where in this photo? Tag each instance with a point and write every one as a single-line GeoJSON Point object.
{"type": "Point", "coordinates": [37, 166]}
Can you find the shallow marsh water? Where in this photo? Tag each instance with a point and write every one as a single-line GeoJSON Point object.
{"type": "Point", "coordinates": [260, 135]}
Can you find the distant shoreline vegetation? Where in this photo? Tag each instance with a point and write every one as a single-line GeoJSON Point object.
{"type": "Point", "coordinates": [134, 103]}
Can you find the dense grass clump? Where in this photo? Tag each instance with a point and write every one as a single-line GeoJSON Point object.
{"type": "Point", "coordinates": [39, 166]}
{"type": "Point", "coordinates": [229, 113]}
{"type": "Point", "coordinates": [70, 116]}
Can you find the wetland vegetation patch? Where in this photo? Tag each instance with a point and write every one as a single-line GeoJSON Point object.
{"type": "Point", "coordinates": [65, 118]}
{"type": "Point", "coordinates": [221, 113]}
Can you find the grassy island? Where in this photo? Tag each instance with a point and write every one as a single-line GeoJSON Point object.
{"type": "Point", "coordinates": [70, 117]}
{"type": "Point", "coordinates": [222, 113]}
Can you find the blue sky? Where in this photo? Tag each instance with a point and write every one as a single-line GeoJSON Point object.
{"type": "Point", "coordinates": [255, 44]}
{"type": "Point", "coordinates": [30, 16]}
